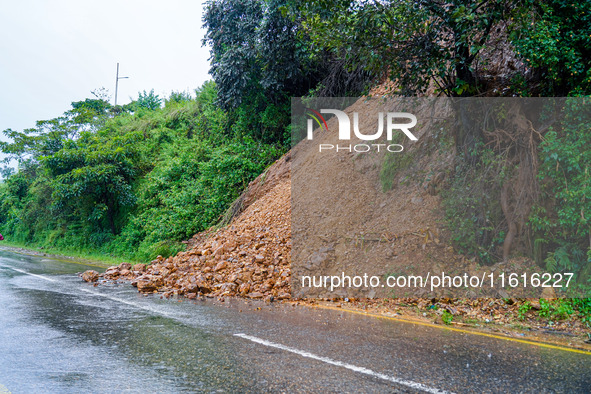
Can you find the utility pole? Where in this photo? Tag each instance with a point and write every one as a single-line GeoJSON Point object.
{"type": "Point", "coordinates": [117, 83]}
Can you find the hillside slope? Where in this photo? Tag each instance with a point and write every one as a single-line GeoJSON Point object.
{"type": "Point", "coordinates": [248, 257]}
{"type": "Point", "coordinates": [251, 255]}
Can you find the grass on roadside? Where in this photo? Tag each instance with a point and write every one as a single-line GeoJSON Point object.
{"type": "Point", "coordinates": [77, 256]}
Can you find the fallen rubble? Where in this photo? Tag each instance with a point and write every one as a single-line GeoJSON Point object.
{"type": "Point", "coordinates": [250, 257]}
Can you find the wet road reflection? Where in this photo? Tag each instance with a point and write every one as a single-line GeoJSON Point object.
{"type": "Point", "coordinates": [59, 334]}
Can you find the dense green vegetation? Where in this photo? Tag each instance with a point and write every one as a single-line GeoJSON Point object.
{"type": "Point", "coordinates": [131, 182]}
{"type": "Point", "coordinates": [134, 181]}
{"type": "Point", "coordinates": [565, 225]}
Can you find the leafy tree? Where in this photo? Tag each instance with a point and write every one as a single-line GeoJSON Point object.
{"type": "Point", "coordinates": [231, 34]}
{"type": "Point", "coordinates": [148, 100]}
{"type": "Point", "coordinates": [91, 178]}
{"type": "Point", "coordinates": [258, 46]}
{"type": "Point", "coordinates": [259, 59]}
{"type": "Point", "coordinates": [554, 39]}
{"type": "Point", "coordinates": [6, 172]}
{"type": "Point", "coordinates": [131, 184]}
{"type": "Point", "coordinates": [177, 97]}
{"type": "Point", "coordinates": [418, 42]}
{"type": "Point", "coordinates": [46, 138]}
{"type": "Point", "coordinates": [90, 113]}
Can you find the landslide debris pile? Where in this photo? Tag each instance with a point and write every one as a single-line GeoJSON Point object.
{"type": "Point", "coordinates": [249, 257]}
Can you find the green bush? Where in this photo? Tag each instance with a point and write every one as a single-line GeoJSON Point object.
{"type": "Point", "coordinates": [472, 208]}
{"type": "Point", "coordinates": [556, 309]}
{"type": "Point", "coordinates": [565, 174]}
{"type": "Point", "coordinates": [138, 183]}
{"type": "Point", "coordinates": [392, 164]}
{"type": "Point", "coordinates": [447, 317]}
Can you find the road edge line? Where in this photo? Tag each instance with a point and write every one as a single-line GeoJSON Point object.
{"type": "Point", "coordinates": [351, 367]}
{"type": "Point", "coordinates": [472, 332]}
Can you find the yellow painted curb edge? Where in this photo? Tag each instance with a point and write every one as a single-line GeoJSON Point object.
{"type": "Point", "coordinates": [471, 332]}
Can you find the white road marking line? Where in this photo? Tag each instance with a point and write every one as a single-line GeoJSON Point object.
{"type": "Point", "coordinates": [130, 303]}
{"type": "Point", "coordinates": [366, 371]}
{"type": "Point", "coordinates": [28, 273]}
{"type": "Point", "coordinates": [136, 305]}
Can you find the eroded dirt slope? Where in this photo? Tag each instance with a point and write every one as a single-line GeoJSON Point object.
{"type": "Point", "coordinates": [251, 256]}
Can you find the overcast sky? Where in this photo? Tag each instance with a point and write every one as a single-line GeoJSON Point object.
{"type": "Point", "coordinates": [53, 52]}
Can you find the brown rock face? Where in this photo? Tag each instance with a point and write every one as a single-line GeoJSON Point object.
{"type": "Point", "coordinates": [112, 273]}
{"type": "Point", "coordinates": [220, 266]}
{"type": "Point", "coordinates": [90, 276]}
{"type": "Point", "coordinates": [146, 286]}
{"type": "Point", "coordinates": [149, 283]}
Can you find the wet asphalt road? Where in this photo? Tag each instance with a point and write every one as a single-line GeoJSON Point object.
{"type": "Point", "coordinates": [59, 334]}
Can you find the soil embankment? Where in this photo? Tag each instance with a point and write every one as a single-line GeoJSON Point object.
{"type": "Point", "coordinates": [251, 255]}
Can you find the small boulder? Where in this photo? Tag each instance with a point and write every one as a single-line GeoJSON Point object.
{"type": "Point", "coordinates": [220, 266]}
{"type": "Point", "coordinates": [201, 284]}
{"type": "Point", "coordinates": [191, 288]}
{"type": "Point", "coordinates": [149, 283]}
{"type": "Point", "coordinates": [283, 296]}
{"type": "Point", "coordinates": [219, 251]}
{"type": "Point", "coordinates": [244, 288]}
{"type": "Point", "coordinates": [228, 287]}
{"type": "Point", "coordinates": [90, 276]}
{"type": "Point", "coordinates": [112, 273]}
{"type": "Point", "coordinates": [146, 286]}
